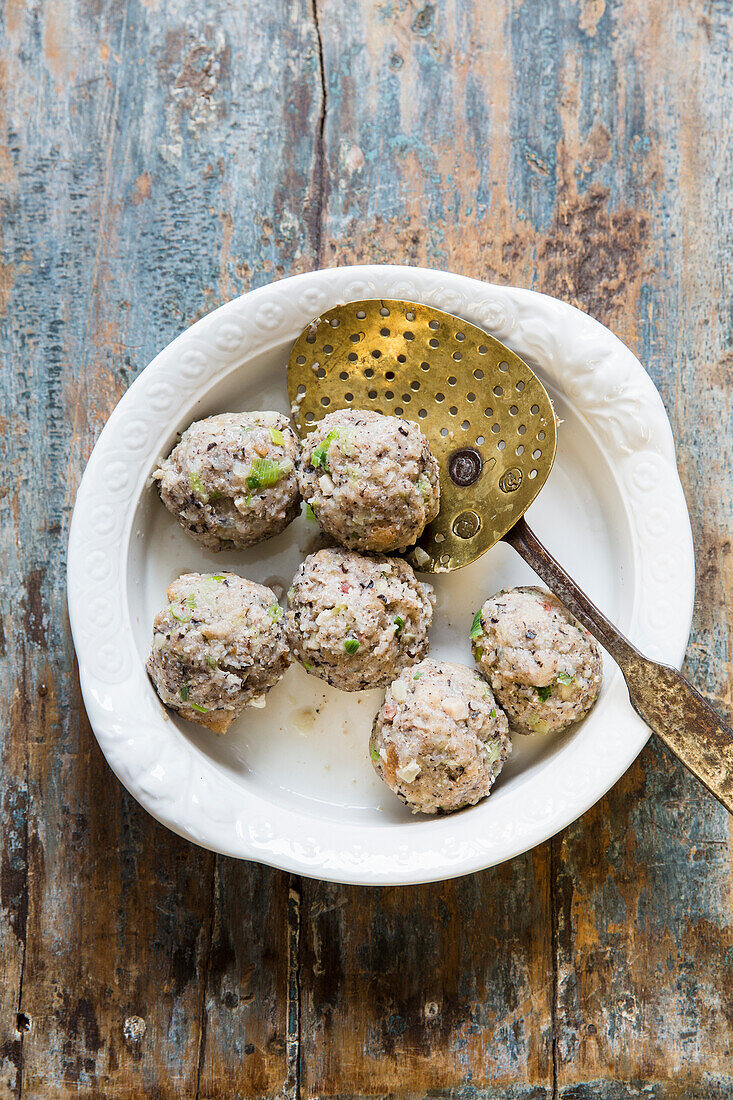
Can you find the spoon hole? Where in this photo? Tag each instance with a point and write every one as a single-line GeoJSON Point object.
{"type": "Point", "coordinates": [465, 425]}
{"type": "Point", "coordinates": [325, 401]}
{"type": "Point", "coordinates": [389, 394]}
{"type": "Point", "coordinates": [495, 429]}
{"type": "Point", "coordinates": [520, 449]}
{"type": "Point", "coordinates": [401, 358]}
{"type": "Point", "coordinates": [422, 413]}
{"type": "Point", "coordinates": [457, 356]}
{"type": "Point", "coordinates": [407, 397]}
{"type": "Point", "coordinates": [301, 391]}
{"type": "Point", "coordinates": [414, 385]}
{"type": "Point", "coordinates": [498, 391]}
{"type": "Point", "coordinates": [452, 380]}
{"type": "Point", "coordinates": [513, 410]}
{"type": "Point", "coordinates": [369, 372]}
{"type": "Point", "coordinates": [353, 356]}
{"type": "Point", "coordinates": [536, 454]}
{"type": "Point", "coordinates": [440, 397]}
{"type": "Point", "coordinates": [460, 336]}
{"type": "Point", "coordinates": [434, 343]}
{"type": "Point", "coordinates": [389, 375]}
{"type": "Point", "coordinates": [344, 376]}
{"type": "Point", "coordinates": [470, 396]}
{"type": "Point", "coordinates": [443, 431]}
{"type": "Point", "coordinates": [488, 412]}
{"type": "Point", "coordinates": [532, 475]}
{"type": "Point", "coordinates": [482, 349]}
{"type": "Point", "coordinates": [503, 367]}
{"type": "Point", "coordinates": [300, 360]}
{"type": "Point", "coordinates": [372, 394]}
{"type": "Point", "coordinates": [433, 324]}
{"type": "Point", "coordinates": [328, 348]}
{"type": "Point", "coordinates": [399, 411]}
{"type": "Point", "coordinates": [410, 315]}
{"type": "Point", "coordinates": [478, 374]}
{"type": "Point", "coordinates": [310, 417]}
{"type": "Point", "coordinates": [480, 439]}
{"type": "Point", "coordinates": [376, 354]}
{"type": "Point", "coordinates": [540, 436]}
{"type": "Point", "coordinates": [501, 445]}
{"type": "Point", "coordinates": [384, 311]}
{"type": "Point", "coordinates": [423, 366]}
{"type": "Point", "coordinates": [348, 397]}
{"type": "Point", "coordinates": [384, 332]}
{"type": "Point", "coordinates": [334, 322]}
{"type": "Point", "coordinates": [453, 410]}
{"type": "Point", "coordinates": [409, 336]}
{"type": "Point", "coordinates": [520, 386]}
{"type": "Point", "coordinates": [534, 410]}
{"type": "Point", "coordinates": [361, 314]}
{"type": "Point", "coordinates": [522, 429]}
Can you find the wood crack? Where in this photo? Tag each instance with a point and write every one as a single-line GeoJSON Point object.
{"type": "Point", "coordinates": [554, 948]}
{"type": "Point", "coordinates": [320, 166]}
{"type": "Point", "coordinates": [19, 1086]}
{"type": "Point", "coordinates": [294, 1012]}
{"type": "Point", "coordinates": [205, 963]}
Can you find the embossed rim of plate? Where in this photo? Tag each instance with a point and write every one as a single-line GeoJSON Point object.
{"type": "Point", "coordinates": [605, 383]}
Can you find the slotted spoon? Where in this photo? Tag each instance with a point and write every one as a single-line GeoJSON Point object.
{"type": "Point", "coordinates": [492, 428]}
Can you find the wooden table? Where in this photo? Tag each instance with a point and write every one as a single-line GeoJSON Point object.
{"type": "Point", "coordinates": [158, 158]}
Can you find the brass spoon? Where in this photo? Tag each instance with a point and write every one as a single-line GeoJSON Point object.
{"type": "Point", "coordinates": [460, 384]}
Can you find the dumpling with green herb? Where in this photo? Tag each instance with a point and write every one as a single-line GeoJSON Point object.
{"type": "Point", "coordinates": [544, 667]}
{"type": "Point", "coordinates": [218, 647]}
{"type": "Point", "coordinates": [356, 620]}
{"type": "Point", "coordinates": [371, 480]}
{"type": "Point", "coordinates": [439, 739]}
{"type": "Point", "coordinates": [231, 481]}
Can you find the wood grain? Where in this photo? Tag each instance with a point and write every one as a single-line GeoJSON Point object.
{"type": "Point", "coordinates": [155, 160]}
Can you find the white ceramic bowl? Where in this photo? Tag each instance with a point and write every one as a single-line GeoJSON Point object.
{"type": "Point", "coordinates": [292, 785]}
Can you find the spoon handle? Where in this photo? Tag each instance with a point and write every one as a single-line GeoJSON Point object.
{"type": "Point", "coordinates": [660, 695]}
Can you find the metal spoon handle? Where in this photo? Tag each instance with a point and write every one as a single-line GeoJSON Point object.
{"type": "Point", "coordinates": [660, 695]}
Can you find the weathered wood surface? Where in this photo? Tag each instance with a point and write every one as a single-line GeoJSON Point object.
{"type": "Point", "coordinates": [155, 160]}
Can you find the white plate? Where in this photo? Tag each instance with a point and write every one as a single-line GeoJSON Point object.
{"type": "Point", "coordinates": [293, 785]}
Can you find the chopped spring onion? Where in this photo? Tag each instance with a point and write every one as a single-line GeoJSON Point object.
{"type": "Point", "coordinates": [492, 712]}
{"type": "Point", "coordinates": [201, 710]}
{"type": "Point", "coordinates": [544, 692]}
{"type": "Point", "coordinates": [564, 678]}
{"type": "Point", "coordinates": [277, 437]}
{"type": "Point", "coordinates": [310, 514]}
{"type": "Point", "coordinates": [417, 676]}
{"type": "Point", "coordinates": [423, 484]}
{"type": "Point", "coordinates": [399, 623]}
{"type": "Point", "coordinates": [215, 494]}
{"type": "Point", "coordinates": [374, 753]}
{"type": "Point", "coordinates": [307, 666]}
{"type": "Point", "coordinates": [184, 692]}
{"type": "Point", "coordinates": [351, 645]}
{"type": "Point", "coordinates": [217, 577]}
{"type": "Point", "coordinates": [212, 662]}
{"type": "Point", "coordinates": [190, 601]}
{"type": "Point", "coordinates": [274, 612]}
{"type": "Point", "coordinates": [264, 473]}
{"type": "Point", "coordinates": [476, 626]}
{"type": "Point", "coordinates": [194, 480]}
{"type": "Point", "coordinates": [179, 618]}
{"type": "Point", "coordinates": [320, 453]}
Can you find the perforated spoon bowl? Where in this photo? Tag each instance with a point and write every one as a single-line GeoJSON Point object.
{"type": "Point", "coordinates": [492, 428]}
